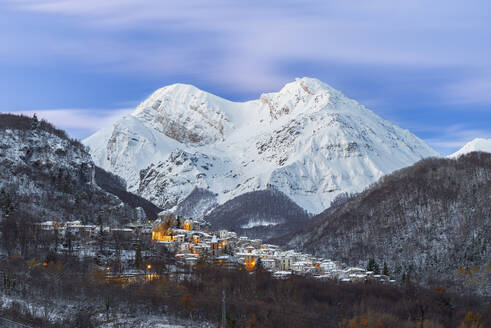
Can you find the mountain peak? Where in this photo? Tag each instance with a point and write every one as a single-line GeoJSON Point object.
{"type": "Point", "coordinates": [178, 93]}
{"type": "Point", "coordinates": [186, 114]}
{"type": "Point", "coordinates": [306, 86]}
{"type": "Point", "coordinates": [477, 144]}
{"type": "Point", "coordinates": [307, 95]}
{"type": "Point", "coordinates": [307, 140]}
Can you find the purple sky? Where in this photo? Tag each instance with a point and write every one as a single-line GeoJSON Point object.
{"type": "Point", "coordinates": [422, 65]}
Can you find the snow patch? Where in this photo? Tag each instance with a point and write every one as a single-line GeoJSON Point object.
{"type": "Point", "coordinates": [259, 223]}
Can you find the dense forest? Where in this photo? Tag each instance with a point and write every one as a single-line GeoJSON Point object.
{"type": "Point", "coordinates": [430, 222]}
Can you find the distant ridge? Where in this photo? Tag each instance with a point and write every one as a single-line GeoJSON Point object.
{"type": "Point", "coordinates": [478, 144]}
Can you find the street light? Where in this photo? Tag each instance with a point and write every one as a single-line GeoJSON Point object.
{"type": "Point", "coordinates": [149, 266]}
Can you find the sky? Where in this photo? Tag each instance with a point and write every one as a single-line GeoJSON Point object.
{"type": "Point", "coordinates": [81, 64]}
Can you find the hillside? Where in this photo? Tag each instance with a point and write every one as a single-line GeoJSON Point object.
{"type": "Point", "coordinates": [308, 141]}
{"type": "Point", "coordinates": [431, 220]}
{"type": "Point", "coordinates": [44, 175]}
{"type": "Point", "coordinates": [260, 214]}
{"type": "Point", "coordinates": [115, 185]}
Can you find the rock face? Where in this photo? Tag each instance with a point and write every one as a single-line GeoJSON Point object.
{"type": "Point", "coordinates": [48, 176]}
{"type": "Point", "coordinates": [307, 141]}
{"type": "Point", "coordinates": [432, 220]}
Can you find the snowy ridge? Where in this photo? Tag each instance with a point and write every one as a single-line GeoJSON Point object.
{"type": "Point", "coordinates": [308, 141]}
{"type": "Point", "coordinates": [478, 144]}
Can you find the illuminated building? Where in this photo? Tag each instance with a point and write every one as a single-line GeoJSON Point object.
{"type": "Point", "coordinates": [250, 262]}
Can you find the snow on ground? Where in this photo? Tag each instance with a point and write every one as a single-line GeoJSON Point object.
{"type": "Point", "coordinates": [148, 321]}
{"type": "Point", "coordinates": [58, 311]}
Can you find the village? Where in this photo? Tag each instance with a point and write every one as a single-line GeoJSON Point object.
{"type": "Point", "coordinates": [189, 241]}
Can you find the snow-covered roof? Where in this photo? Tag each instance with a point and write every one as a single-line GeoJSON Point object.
{"type": "Point", "coordinates": [122, 229]}
{"type": "Point", "coordinates": [282, 273]}
{"type": "Point", "coordinates": [46, 223]}
{"type": "Point", "coordinates": [354, 269]}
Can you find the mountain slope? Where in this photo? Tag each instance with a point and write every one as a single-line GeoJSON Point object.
{"type": "Point", "coordinates": [258, 214]}
{"type": "Point", "coordinates": [308, 141]}
{"type": "Point", "coordinates": [117, 186]}
{"type": "Point", "coordinates": [478, 144]}
{"type": "Point", "coordinates": [48, 176]}
{"type": "Point", "coordinates": [429, 219]}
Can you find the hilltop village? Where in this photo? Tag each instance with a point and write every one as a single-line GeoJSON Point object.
{"type": "Point", "coordinates": [189, 241]}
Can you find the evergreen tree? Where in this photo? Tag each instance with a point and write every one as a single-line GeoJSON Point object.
{"type": "Point", "coordinates": [371, 264]}
{"type": "Point", "coordinates": [386, 270]}
{"type": "Point", "coordinates": [35, 122]}
{"type": "Point", "coordinates": [376, 268]}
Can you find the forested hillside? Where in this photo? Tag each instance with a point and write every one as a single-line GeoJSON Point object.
{"type": "Point", "coordinates": [117, 186]}
{"type": "Point", "coordinates": [259, 214]}
{"type": "Point", "coordinates": [430, 221]}
{"type": "Point", "coordinates": [45, 175]}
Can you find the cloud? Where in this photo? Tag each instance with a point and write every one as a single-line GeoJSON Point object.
{"type": "Point", "coordinates": [245, 43]}
{"type": "Point", "coordinates": [474, 91]}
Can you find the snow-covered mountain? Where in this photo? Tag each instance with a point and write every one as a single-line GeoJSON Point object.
{"type": "Point", "coordinates": [308, 141]}
{"type": "Point", "coordinates": [478, 144]}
